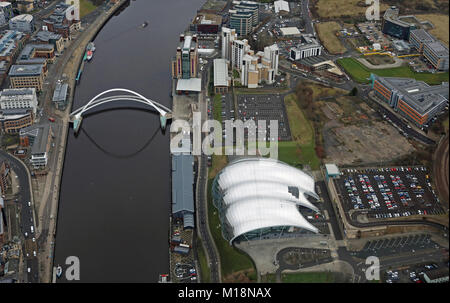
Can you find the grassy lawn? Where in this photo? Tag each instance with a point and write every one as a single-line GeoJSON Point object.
{"type": "Point", "coordinates": [204, 267]}
{"type": "Point", "coordinates": [361, 74]}
{"type": "Point", "coordinates": [327, 34]}
{"type": "Point", "coordinates": [231, 259]}
{"type": "Point", "coordinates": [86, 7]}
{"type": "Point", "coordinates": [308, 277]}
{"type": "Point", "coordinates": [217, 107]}
{"type": "Point", "coordinates": [301, 150]}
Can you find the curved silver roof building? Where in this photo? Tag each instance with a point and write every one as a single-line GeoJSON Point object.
{"type": "Point", "coordinates": [260, 195]}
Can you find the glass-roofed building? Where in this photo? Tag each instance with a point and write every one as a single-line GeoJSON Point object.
{"type": "Point", "coordinates": [260, 198]}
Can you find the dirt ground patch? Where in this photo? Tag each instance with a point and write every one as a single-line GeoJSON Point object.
{"type": "Point", "coordinates": [358, 144]}
{"type": "Point", "coordinates": [327, 34]}
{"type": "Point", "coordinates": [379, 60]}
{"type": "Point", "coordinates": [339, 8]}
{"type": "Point", "coordinates": [242, 276]}
{"type": "Point", "coordinates": [440, 23]}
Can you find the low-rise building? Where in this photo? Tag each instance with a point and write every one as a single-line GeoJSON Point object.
{"type": "Point", "coordinates": [39, 137]}
{"type": "Point", "coordinates": [206, 23]}
{"type": "Point", "coordinates": [415, 100]}
{"type": "Point", "coordinates": [281, 7]}
{"type": "Point", "coordinates": [23, 76]}
{"type": "Point", "coordinates": [58, 22]}
{"type": "Point", "coordinates": [433, 50]}
{"type": "Point", "coordinates": [222, 80]}
{"type": "Point", "coordinates": [439, 275]}
{"type": "Point", "coordinates": [60, 95]}
{"type": "Point", "coordinates": [22, 98]}
{"type": "Point", "coordinates": [31, 51]}
{"type": "Point", "coordinates": [13, 120]}
{"type": "Point", "coordinates": [22, 23]}
{"type": "Point", "coordinates": [183, 189]}
{"type": "Point", "coordinates": [309, 47]}
{"type": "Point", "coordinates": [46, 37]}
{"type": "Point", "coordinates": [5, 178]}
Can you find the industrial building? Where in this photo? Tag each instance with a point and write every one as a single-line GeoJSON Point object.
{"type": "Point", "coordinates": [222, 81]}
{"type": "Point", "coordinates": [259, 198]}
{"type": "Point", "coordinates": [281, 6]}
{"type": "Point", "coordinates": [415, 100]}
{"type": "Point", "coordinates": [183, 188]}
{"type": "Point", "coordinates": [309, 47]}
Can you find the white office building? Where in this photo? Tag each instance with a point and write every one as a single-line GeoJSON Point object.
{"type": "Point", "coordinates": [309, 48]}
{"type": "Point", "coordinates": [19, 98]}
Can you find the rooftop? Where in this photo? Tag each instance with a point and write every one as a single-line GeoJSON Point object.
{"type": "Point", "coordinates": [220, 72]}
{"type": "Point", "coordinates": [60, 93]}
{"type": "Point", "coordinates": [25, 70]}
{"type": "Point", "coordinates": [192, 85]}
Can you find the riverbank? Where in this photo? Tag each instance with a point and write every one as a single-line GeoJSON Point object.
{"type": "Point", "coordinates": [70, 69]}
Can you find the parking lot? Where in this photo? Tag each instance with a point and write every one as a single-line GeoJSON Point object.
{"type": "Point", "coordinates": [410, 274]}
{"type": "Point", "coordinates": [396, 245]}
{"type": "Point", "coordinates": [185, 272]}
{"type": "Point", "coordinates": [389, 192]}
{"type": "Point", "coordinates": [265, 107]}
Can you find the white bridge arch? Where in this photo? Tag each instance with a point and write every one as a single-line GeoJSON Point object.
{"type": "Point", "coordinates": [76, 116]}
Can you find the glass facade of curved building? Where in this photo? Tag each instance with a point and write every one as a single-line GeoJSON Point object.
{"type": "Point", "coordinates": [260, 198]}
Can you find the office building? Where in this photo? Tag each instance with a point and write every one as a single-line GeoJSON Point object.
{"type": "Point", "coordinates": [228, 36]}
{"type": "Point", "coordinates": [39, 137]}
{"type": "Point", "coordinates": [185, 63]}
{"type": "Point", "coordinates": [394, 26]}
{"type": "Point", "coordinates": [248, 7]}
{"type": "Point", "coordinates": [22, 23]}
{"type": "Point", "coordinates": [309, 47]}
{"type": "Point", "coordinates": [13, 120]}
{"type": "Point", "coordinates": [431, 49]}
{"type": "Point", "coordinates": [260, 198]}
{"type": "Point", "coordinates": [22, 98]}
{"type": "Point", "coordinates": [241, 22]}
{"type": "Point", "coordinates": [32, 51]}
{"type": "Point", "coordinates": [23, 76]}
{"type": "Point", "coordinates": [414, 100]}
{"type": "Point", "coordinates": [222, 80]}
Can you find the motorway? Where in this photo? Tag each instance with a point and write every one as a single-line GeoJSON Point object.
{"type": "Point", "coordinates": [26, 214]}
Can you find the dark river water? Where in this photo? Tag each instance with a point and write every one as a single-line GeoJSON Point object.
{"type": "Point", "coordinates": [115, 192]}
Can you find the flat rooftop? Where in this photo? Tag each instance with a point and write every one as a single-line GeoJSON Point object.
{"type": "Point", "coordinates": [26, 70]}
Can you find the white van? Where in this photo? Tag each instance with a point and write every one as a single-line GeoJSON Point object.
{"type": "Point", "coordinates": [32, 229]}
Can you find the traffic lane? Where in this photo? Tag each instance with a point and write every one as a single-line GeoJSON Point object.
{"type": "Point", "coordinates": [26, 211]}
{"type": "Point", "coordinates": [33, 275]}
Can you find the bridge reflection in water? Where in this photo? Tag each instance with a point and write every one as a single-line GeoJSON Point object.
{"type": "Point", "coordinates": [76, 117]}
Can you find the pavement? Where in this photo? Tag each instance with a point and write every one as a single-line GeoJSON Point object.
{"type": "Point", "coordinates": [440, 170]}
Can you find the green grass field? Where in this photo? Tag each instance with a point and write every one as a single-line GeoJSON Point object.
{"type": "Point", "coordinates": [301, 150]}
{"type": "Point", "coordinates": [86, 7]}
{"type": "Point", "coordinates": [204, 268]}
{"type": "Point", "coordinates": [308, 277]}
{"type": "Point", "coordinates": [361, 74]}
{"type": "Point", "coordinates": [231, 259]}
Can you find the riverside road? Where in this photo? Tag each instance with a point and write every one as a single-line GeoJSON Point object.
{"type": "Point", "coordinates": [115, 193]}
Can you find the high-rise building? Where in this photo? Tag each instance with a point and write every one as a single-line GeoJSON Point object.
{"type": "Point", "coordinates": [241, 22]}
{"type": "Point", "coordinates": [238, 50]}
{"type": "Point", "coordinates": [249, 7]}
{"type": "Point", "coordinates": [228, 36]}
{"type": "Point", "coordinates": [185, 63]}
{"type": "Point", "coordinates": [272, 54]}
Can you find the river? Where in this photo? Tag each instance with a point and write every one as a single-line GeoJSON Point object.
{"type": "Point", "coordinates": [115, 192]}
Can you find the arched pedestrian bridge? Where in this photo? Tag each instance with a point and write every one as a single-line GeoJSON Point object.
{"type": "Point", "coordinates": [76, 117]}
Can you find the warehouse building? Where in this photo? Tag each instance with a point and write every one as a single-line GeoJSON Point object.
{"type": "Point", "coordinates": [415, 100]}
{"type": "Point", "coordinates": [222, 80]}
{"type": "Point", "coordinates": [183, 188]}
{"type": "Point", "coordinates": [260, 198]}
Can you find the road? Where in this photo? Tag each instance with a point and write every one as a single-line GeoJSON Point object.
{"type": "Point", "coordinates": [26, 215]}
{"type": "Point", "coordinates": [440, 170]}
{"type": "Point", "coordinates": [202, 186]}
